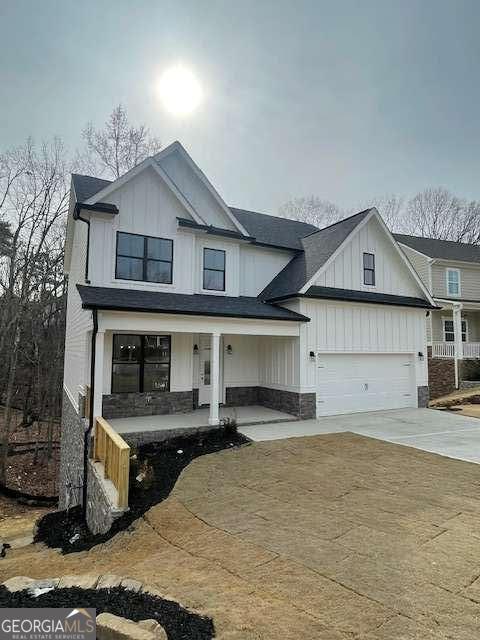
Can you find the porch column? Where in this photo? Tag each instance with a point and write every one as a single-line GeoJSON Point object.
{"type": "Point", "coordinates": [98, 391]}
{"type": "Point", "coordinates": [457, 332]}
{"type": "Point", "coordinates": [214, 379]}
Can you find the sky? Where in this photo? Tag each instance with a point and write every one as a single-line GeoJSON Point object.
{"type": "Point", "coordinates": [345, 100]}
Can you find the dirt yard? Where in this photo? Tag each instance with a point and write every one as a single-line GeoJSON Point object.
{"type": "Point", "coordinates": [329, 537]}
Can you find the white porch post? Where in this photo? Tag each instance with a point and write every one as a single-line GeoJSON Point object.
{"type": "Point", "coordinates": [457, 331]}
{"type": "Point", "coordinates": [98, 391]}
{"type": "Point", "coordinates": [214, 379]}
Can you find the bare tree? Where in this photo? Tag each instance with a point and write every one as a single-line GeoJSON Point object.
{"type": "Point", "coordinates": [34, 202]}
{"type": "Point", "coordinates": [117, 147]}
{"type": "Point", "coordinates": [390, 207]}
{"type": "Point", "coordinates": [313, 210]}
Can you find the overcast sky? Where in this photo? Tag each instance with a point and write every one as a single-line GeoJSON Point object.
{"type": "Point", "coordinates": [341, 99]}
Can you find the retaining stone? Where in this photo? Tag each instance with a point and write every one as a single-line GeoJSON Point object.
{"type": "Point", "coordinates": [108, 581]}
{"type": "Point", "coordinates": [83, 582]}
{"type": "Point", "coordinates": [132, 585]}
{"type": "Point", "coordinates": [111, 627]}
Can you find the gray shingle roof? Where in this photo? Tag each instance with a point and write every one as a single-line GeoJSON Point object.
{"type": "Point", "coordinates": [87, 186]}
{"type": "Point", "coordinates": [443, 249]}
{"type": "Point", "coordinates": [352, 295]}
{"type": "Point", "coordinates": [272, 230]}
{"type": "Point", "coordinates": [317, 248]}
{"type": "Point", "coordinates": [184, 304]}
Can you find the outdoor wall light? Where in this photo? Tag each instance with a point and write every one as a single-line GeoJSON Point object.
{"type": "Point", "coordinates": [195, 349]}
{"type": "Point", "coordinates": [312, 355]}
{"type": "Point", "coordinates": [421, 356]}
{"type": "Point", "coordinates": [229, 349]}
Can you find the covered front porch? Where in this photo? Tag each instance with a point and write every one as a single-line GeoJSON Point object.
{"type": "Point", "coordinates": [156, 373]}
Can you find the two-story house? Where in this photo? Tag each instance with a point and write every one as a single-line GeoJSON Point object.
{"type": "Point", "coordinates": [451, 272]}
{"type": "Point", "coordinates": [176, 301]}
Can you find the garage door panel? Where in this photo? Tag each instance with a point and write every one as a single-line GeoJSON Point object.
{"type": "Point", "coordinates": [348, 383]}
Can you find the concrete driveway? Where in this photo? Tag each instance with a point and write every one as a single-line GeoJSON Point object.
{"type": "Point", "coordinates": [445, 433]}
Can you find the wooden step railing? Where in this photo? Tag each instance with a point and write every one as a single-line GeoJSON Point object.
{"type": "Point", "coordinates": [114, 453]}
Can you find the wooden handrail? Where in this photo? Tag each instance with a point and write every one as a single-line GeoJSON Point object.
{"type": "Point", "coordinates": [114, 453]}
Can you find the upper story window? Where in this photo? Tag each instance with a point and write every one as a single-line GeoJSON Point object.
{"type": "Point", "coordinates": [214, 269]}
{"type": "Point", "coordinates": [144, 258]}
{"type": "Point", "coordinates": [453, 282]}
{"type": "Point", "coordinates": [140, 363]}
{"type": "Point", "coordinates": [369, 269]}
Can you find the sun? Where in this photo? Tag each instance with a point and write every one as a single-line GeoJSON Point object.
{"type": "Point", "coordinates": [179, 90]}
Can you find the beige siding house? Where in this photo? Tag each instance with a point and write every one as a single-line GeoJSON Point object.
{"type": "Point", "coordinates": [451, 271]}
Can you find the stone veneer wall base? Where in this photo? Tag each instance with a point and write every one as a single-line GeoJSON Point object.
{"type": "Point", "coordinates": [154, 403]}
{"type": "Point", "coordinates": [441, 375]}
{"type": "Point", "coordinates": [101, 511]}
{"type": "Point", "coordinates": [423, 396]}
{"type": "Point", "coordinates": [302, 405]}
{"type": "Point", "coordinates": [71, 456]}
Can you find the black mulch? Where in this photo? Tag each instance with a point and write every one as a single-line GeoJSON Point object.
{"type": "Point", "coordinates": [66, 531]}
{"type": "Point", "coordinates": [179, 623]}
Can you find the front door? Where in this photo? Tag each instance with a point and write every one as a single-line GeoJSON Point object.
{"type": "Point", "coordinates": [204, 384]}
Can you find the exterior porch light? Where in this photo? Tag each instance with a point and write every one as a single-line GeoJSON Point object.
{"type": "Point", "coordinates": [312, 355]}
{"type": "Point", "coordinates": [421, 356]}
{"type": "Point", "coordinates": [229, 349]}
{"type": "Point", "coordinates": [195, 349]}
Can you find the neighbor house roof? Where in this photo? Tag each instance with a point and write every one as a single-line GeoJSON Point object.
{"type": "Point", "coordinates": [441, 249]}
{"type": "Point", "coordinates": [317, 249]}
{"type": "Point", "coordinates": [111, 298]}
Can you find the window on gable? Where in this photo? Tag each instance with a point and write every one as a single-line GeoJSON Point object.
{"type": "Point", "coordinates": [369, 269]}
{"type": "Point", "coordinates": [144, 258]}
{"type": "Point", "coordinates": [214, 269]}
{"type": "Point", "coordinates": [140, 363]}
{"type": "Point", "coordinates": [449, 334]}
{"type": "Point", "coordinates": [453, 282]}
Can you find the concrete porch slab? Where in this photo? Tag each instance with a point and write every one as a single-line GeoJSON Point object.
{"type": "Point", "coordinates": [197, 419]}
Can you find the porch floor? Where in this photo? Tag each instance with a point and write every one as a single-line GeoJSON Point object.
{"type": "Point", "coordinates": [197, 419]}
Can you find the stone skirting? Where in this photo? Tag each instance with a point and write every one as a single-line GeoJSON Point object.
{"type": "Point", "coordinates": [302, 405]}
{"type": "Point", "coordinates": [101, 512]}
{"type": "Point", "coordinates": [423, 396]}
{"type": "Point", "coordinates": [441, 375]}
{"type": "Point", "coordinates": [241, 396]}
{"type": "Point", "coordinates": [469, 384]}
{"type": "Point", "coordinates": [128, 405]}
{"type": "Point", "coordinates": [70, 482]}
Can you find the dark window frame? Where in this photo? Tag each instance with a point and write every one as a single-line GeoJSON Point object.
{"type": "Point", "coordinates": [141, 363]}
{"type": "Point", "coordinates": [222, 271]}
{"type": "Point", "coordinates": [145, 259]}
{"type": "Point", "coordinates": [369, 270]}
{"type": "Point", "coordinates": [464, 323]}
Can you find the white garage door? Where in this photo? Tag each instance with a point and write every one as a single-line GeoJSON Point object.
{"type": "Point", "coordinates": [349, 383]}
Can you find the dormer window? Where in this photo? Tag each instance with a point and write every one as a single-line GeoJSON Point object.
{"type": "Point", "coordinates": [214, 269]}
{"type": "Point", "coordinates": [453, 282]}
{"type": "Point", "coordinates": [144, 258]}
{"type": "Point", "coordinates": [369, 269]}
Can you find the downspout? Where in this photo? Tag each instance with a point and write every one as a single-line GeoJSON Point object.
{"type": "Point", "coordinates": [86, 442]}
{"type": "Point", "coordinates": [77, 216]}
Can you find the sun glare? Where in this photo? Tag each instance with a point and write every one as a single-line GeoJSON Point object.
{"type": "Point", "coordinates": [179, 91]}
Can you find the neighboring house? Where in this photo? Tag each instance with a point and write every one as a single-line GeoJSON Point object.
{"type": "Point", "coordinates": [176, 300]}
{"type": "Point", "coordinates": [451, 272]}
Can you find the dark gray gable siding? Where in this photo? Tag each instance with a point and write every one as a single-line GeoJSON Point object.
{"type": "Point", "coordinates": [196, 304]}
{"type": "Point", "coordinates": [318, 247]}
{"type": "Point", "coordinates": [443, 249]}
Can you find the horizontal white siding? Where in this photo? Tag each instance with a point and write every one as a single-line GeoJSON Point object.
{"type": "Point", "coordinates": [361, 328]}
{"type": "Point", "coordinates": [391, 273]}
{"type": "Point", "coordinates": [78, 321]}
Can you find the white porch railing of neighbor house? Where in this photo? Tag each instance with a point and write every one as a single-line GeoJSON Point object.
{"type": "Point", "coordinates": [471, 350]}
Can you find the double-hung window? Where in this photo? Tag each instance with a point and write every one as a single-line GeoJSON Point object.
{"type": "Point", "coordinates": [449, 334]}
{"type": "Point", "coordinates": [453, 282]}
{"type": "Point", "coordinates": [214, 269]}
{"type": "Point", "coordinates": [140, 363]}
{"type": "Point", "coordinates": [144, 258]}
{"type": "Point", "coordinates": [369, 269]}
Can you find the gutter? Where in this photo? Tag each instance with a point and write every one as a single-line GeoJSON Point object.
{"type": "Point", "coordinates": [86, 441]}
{"type": "Point", "coordinates": [77, 216]}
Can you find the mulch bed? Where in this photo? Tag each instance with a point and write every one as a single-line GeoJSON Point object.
{"type": "Point", "coordinates": [178, 623]}
{"type": "Point", "coordinates": [66, 530]}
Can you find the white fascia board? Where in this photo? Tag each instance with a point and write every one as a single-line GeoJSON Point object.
{"type": "Point", "coordinates": [177, 146]}
{"type": "Point", "coordinates": [337, 252]}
